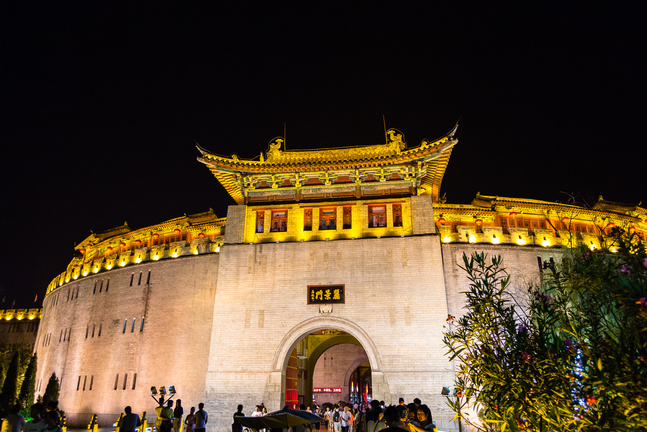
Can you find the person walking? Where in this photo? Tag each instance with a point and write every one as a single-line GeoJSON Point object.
{"type": "Point", "coordinates": [201, 418]}
{"type": "Point", "coordinates": [345, 419]}
{"type": "Point", "coordinates": [129, 421]}
{"type": "Point", "coordinates": [336, 419]}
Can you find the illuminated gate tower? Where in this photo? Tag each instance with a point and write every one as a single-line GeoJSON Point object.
{"type": "Point", "coordinates": [336, 270]}
{"type": "Point", "coordinates": [335, 240]}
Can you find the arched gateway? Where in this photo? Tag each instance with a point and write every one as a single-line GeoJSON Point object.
{"type": "Point", "coordinates": [351, 240]}
{"type": "Point", "coordinates": [291, 339]}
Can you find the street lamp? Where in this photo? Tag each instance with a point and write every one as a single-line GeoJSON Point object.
{"type": "Point", "coordinates": [162, 392]}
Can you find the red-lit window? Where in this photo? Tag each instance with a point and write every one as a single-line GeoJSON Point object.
{"type": "Point", "coordinates": [376, 216]}
{"type": "Point", "coordinates": [260, 221]}
{"type": "Point", "coordinates": [397, 215]}
{"type": "Point", "coordinates": [279, 221]}
{"type": "Point", "coordinates": [307, 220]}
{"type": "Point", "coordinates": [348, 218]}
{"type": "Point", "coordinates": [328, 218]}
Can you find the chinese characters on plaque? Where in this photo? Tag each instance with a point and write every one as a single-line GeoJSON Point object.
{"type": "Point", "coordinates": [322, 294]}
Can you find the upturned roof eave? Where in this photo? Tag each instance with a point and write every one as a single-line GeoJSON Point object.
{"type": "Point", "coordinates": [237, 165]}
{"type": "Point", "coordinates": [253, 167]}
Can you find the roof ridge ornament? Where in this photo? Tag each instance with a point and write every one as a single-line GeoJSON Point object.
{"type": "Point", "coordinates": [395, 140]}
{"type": "Point", "coordinates": [273, 150]}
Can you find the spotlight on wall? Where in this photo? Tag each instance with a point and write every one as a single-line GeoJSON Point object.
{"type": "Point", "coordinates": [171, 389]}
{"type": "Point", "coordinates": [445, 391]}
{"type": "Point", "coordinates": [153, 390]}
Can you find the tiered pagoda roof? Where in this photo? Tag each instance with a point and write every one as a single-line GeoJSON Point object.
{"type": "Point", "coordinates": [389, 169]}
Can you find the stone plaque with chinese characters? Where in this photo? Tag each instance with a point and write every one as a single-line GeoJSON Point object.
{"type": "Point", "coordinates": [321, 294]}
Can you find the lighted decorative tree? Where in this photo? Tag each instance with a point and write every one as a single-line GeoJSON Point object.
{"type": "Point", "coordinates": [10, 386]}
{"type": "Point", "coordinates": [26, 396]}
{"type": "Point", "coordinates": [572, 358]}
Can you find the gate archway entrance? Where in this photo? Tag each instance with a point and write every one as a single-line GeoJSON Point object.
{"type": "Point", "coordinates": [347, 352]}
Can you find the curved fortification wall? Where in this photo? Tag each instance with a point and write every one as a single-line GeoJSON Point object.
{"type": "Point", "coordinates": [218, 306]}
{"type": "Point", "coordinates": [109, 337]}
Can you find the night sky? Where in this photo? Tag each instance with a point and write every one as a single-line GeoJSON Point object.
{"type": "Point", "coordinates": [102, 104]}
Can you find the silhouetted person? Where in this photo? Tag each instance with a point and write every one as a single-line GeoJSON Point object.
{"type": "Point", "coordinates": [14, 422]}
{"type": "Point", "coordinates": [129, 421]}
{"type": "Point", "coordinates": [201, 418]}
{"type": "Point", "coordinates": [236, 426]}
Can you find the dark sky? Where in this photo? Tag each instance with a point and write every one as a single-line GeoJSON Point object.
{"type": "Point", "coordinates": [101, 104]}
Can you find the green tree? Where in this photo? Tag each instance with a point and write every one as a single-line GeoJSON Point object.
{"type": "Point", "coordinates": [572, 358]}
{"type": "Point", "coordinates": [27, 388]}
{"type": "Point", "coordinates": [10, 386]}
{"type": "Point", "coordinates": [52, 390]}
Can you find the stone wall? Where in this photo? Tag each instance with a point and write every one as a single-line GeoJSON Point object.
{"type": "Point", "coordinates": [221, 326]}
{"type": "Point", "coordinates": [88, 338]}
{"type": "Point", "coordinates": [395, 307]}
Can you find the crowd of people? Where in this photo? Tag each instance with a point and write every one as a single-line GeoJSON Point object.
{"type": "Point", "coordinates": [375, 416]}
{"type": "Point", "coordinates": [369, 417]}
{"type": "Point", "coordinates": [169, 418]}
{"type": "Point", "coordinates": [44, 418]}
{"type": "Point", "coordinates": [343, 417]}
